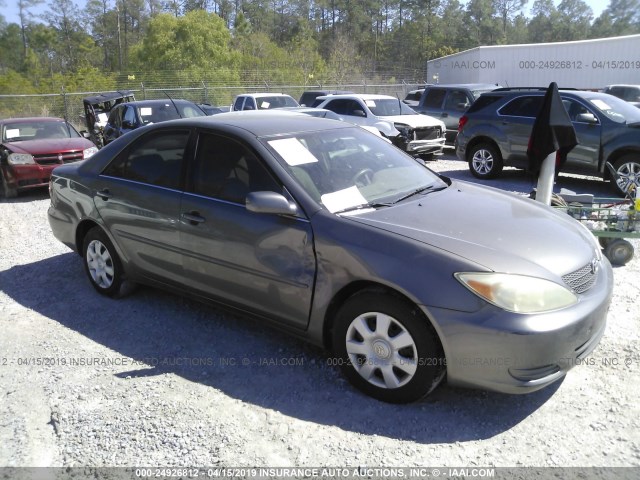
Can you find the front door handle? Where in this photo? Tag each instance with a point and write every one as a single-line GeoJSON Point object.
{"type": "Point", "coordinates": [104, 194]}
{"type": "Point", "coordinates": [193, 218]}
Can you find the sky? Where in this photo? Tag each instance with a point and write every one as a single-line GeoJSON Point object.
{"type": "Point", "coordinates": [10, 8]}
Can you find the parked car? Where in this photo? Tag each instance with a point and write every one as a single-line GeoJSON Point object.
{"type": "Point", "coordinates": [628, 93]}
{"type": "Point", "coordinates": [97, 109]}
{"type": "Point", "coordinates": [340, 238]}
{"type": "Point", "coordinates": [495, 133]}
{"type": "Point", "coordinates": [263, 101]}
{"type": "Point", "coordinates": [416, 134]}
{"type": "Point", "coordinates": [413, 97]}
{"type": "Point", "coordinates": [308, 98]}
{"type": "Point", "coordinates": [449, 102]}
{"type": "Point", "coordinates": [131, 115]}
{"type": "Point", "coordinates": [214, 110]}
{"type": "Point", "coordinates": [32, 147]}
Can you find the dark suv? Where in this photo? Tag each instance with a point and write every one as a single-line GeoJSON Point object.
{"type": "Point", "coordinates": [495, 132]}
{"type": "Point", "coordinates": [448, 103]}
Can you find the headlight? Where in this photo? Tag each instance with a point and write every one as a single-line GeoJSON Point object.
{"type": "Point", "coordinates": [20, 159]}
{"type": "Point", "coordinates": [89, 152]}
{"type": "Point", "coordinates": [402, 128]}
{"type": "Point", "coordinates": [518, 293]}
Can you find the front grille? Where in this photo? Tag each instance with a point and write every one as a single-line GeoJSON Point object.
{"type": "Point", "coordinates": [583, 279]}
{"type": "Point", "coordinates": [427, 133]}
{"type": "Point", "coordinates": [57, 158]}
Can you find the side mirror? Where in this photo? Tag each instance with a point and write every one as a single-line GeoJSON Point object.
{"type": "Point", "coordinates": [463, 106]}
{"type": "Point", "coordinates": [270, 202]}
{"type": "Point", "coordinates": [586, 118]}
{"type": "Point", "coordinates": [359, 113]}
{"type": "Point", "coordinates": [248, 107]}
{"type": "Point", "coordinates": [127, 124]}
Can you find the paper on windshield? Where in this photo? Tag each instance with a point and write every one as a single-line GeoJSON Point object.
{"type": "Point", "coordinates": [349, 197]}
{"type": "Point", "coordinates": [601, 104]}
{"type": "Point", "coordinates": [145, 111]}
{"type": "Point", "coordinates": [265, 105]}
{"type": "Point", "coordinates": [102, 118]}
{"type": "Point", "coordinates": [12, 133]}
{"type": "Point", "coordinates": [292, 151]}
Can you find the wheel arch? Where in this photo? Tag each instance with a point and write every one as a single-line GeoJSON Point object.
{"type": "Point", "coordinates": [615, 156]}
{"type": "Point", "coordinates": [81, 231]}
{"type": "Point", "coordinates": [482, 139]}
{"type": "Point", "coordinates": [357, 287]}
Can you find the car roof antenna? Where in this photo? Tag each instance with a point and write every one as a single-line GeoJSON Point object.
{"type": "Point", "coordinates": [399, 103]}
{"type": "Point", "coordinates": [174, 104]}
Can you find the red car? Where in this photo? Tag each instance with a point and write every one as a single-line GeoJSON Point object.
{"type": "Point", "coordinates": [32, 147]}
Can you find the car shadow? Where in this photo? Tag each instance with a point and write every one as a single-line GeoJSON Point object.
{"type": "Point", "coordinates": [40, 193]}
{"type": "Point", "coordinates": [165, 333]}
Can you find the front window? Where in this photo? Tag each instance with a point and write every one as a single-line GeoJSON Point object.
{"type": "Point", "coordinates": [348, 168]}
{"type": "Point", "coordinates": [37, 130]}
{"type": "Point", "coordinates": [386, 107]}
{"type": "Point", "coordinates": [615, 109]}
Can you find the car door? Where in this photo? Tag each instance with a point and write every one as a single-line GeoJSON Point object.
{"type": "Point", "coordinates": [515, 121]}
{"type": "Point", "coordinates": [263, 263]}
{"type": "Point", "coordinates": [433, 102]}
{"type": "Point", "coordinates": [130, 120]}
{"type": "Point", "coordinates": [138, 199]}
{"type": "Point", "coordinates": [455, 104]}
{"type": "Point", "coordinates": [114, 123]}
{"type": "Point", "coordinates": [585, 155]}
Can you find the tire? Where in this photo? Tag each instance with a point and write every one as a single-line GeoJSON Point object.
{"type": "Point", "coordinates": [604, 241]}
{"type": "Point", "coordinates": [7, 191]}
{"type": "Point", "coordinates": [619, 252]}
{"type": "Point", "coordinates": [628, 169]}
{"type": "Point", "coordinates": [365, 329]}
{"type": "Point", "coordinates": [101, 263]}
{"type": "Point", "coordinates": [485, 161]}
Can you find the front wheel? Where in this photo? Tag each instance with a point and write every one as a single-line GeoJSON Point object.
{"type": "Point", "coordinates": [101, 262]}
{"type": "Point", "coordinates": [7, 190]}
{"type": "Point", "coordinates": [619, 251]}
{"type": "Point", "coordinates": [387, 348]}
{"type": "Point", "coordinates": [485, 161]}
{"type": "Point", "coordinates": [627, 169]}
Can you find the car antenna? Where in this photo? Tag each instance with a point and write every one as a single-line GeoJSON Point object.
{"type": "Point", "coordinates": [399, 103]}
{"type": "Point", "coordinates": [174, 104]}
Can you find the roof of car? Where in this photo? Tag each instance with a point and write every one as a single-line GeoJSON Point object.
{"type": "Point", "coordinates": [31, 119]}
{"type": "Point", "coordinates": [263, 94]}
{"type": "Point", "coordinates": [469, 86]}
{"type": "Point", "coordinates": [263, 123]}
{"type": "Point", "coordinates": [159, 101]}
{"type": "Point", "coordinates": [362, 96]}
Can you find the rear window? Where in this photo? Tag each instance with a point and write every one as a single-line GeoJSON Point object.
{"type": "Point", "coordinates": [528, 106]}
{"type": "Point", "coordinates": [482, 102]}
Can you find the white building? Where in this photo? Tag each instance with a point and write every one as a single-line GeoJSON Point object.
{"type": "Point", "coordinates": [588, 64]}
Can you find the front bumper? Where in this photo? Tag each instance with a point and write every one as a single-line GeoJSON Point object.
{"type": "Point", "coordinates": [434, 146]}
{"type": "Point", "coordinates": [512, 353]}
{"type": "Point", "coordinates": [23, 177]}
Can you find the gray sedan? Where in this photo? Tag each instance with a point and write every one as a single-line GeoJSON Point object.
{"type": "Point", "coordinates": [338, 237]}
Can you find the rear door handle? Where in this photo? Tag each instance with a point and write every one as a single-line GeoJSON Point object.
{"type": "Point", "coordinates": [104, 194]}
{"type": "Point", "coordinates": [193, 218]}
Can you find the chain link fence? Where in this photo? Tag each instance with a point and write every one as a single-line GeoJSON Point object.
{"type": "Point", "coordinates": [69, 105]}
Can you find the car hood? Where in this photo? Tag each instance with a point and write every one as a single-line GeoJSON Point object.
{"type": "Point", "coordinates": [414, 121]}
{"type": "Point", "coordinates": [497, 230]}
{"type": "Point", "coordinates": [39, 147]}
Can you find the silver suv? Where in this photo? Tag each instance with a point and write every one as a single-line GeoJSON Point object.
{"type": "Point", "coordinates": [495, 133]}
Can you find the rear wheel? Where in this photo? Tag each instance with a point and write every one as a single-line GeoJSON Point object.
{"type": "Point", "coordinates": [484, 161]}
{"type": "Point", "coordinates": [101, 262]}
{"type": "Point", "coordinates": [619, 251]}
{"type": "Point", "coordinates": [387, 348]}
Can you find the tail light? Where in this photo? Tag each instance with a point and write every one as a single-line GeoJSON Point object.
{"type": "Point", "coordinates": [462, 122]}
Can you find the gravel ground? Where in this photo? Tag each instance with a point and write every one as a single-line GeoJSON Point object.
{"type": "Point", "coordinates": [159, 380]}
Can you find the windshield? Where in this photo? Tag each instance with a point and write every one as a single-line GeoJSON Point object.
{"type": "Point", "coordinates": [615, 109]}
{"type": "Point", "coordinates": [277, 101]}
{"type": "Point", "coordinates": [385, 107]}
{"type": "Point", "coordinates": [349, 167]}
{"type": "Point", "coordinates": [167, 111]}
{"type": "Point", "coordinates": [37, 130]}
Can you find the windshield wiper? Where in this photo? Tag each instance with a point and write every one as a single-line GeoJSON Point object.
{"type": "Point", "coordinates": [362, 206]}
{"type": "Point", "coordinates": [427, 189]}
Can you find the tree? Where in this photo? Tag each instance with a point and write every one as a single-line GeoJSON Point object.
{"type": "Point", "coordinates": [575, 16]}
{"type": "Point", "coordinates": [507, 9]}
{"type": "Point", "coordinates": [544, 23]}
